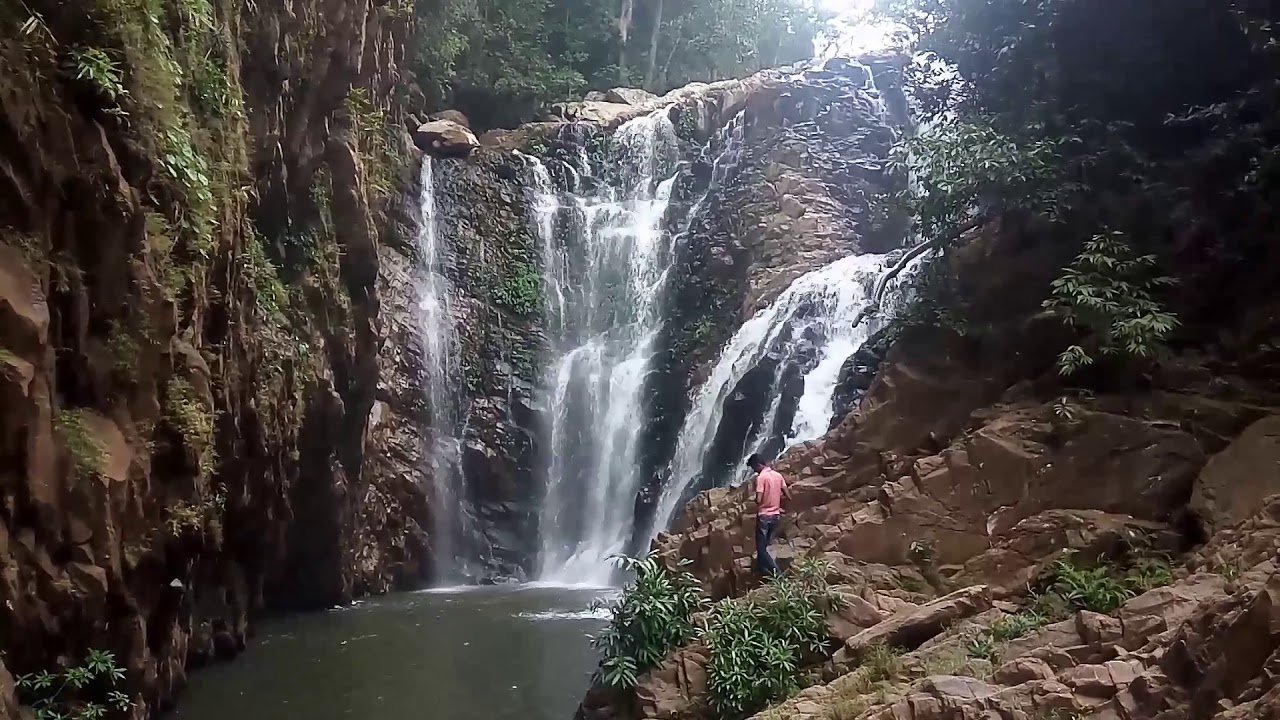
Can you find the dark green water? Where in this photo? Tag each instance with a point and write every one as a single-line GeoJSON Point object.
{"type": "Point", "coordinates": [511, 653]}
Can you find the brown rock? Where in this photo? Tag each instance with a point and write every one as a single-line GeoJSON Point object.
{"type": "Point", "coordinates": [454, 116]}
{"type": "Point", "coordinates": [912, 628]}
{"type": "Point", "coordinates": [1236, 481]}
{"type": "Point", "coordinates": [445, 137]}
{"type": "Point", "coordinates": [668, 691]}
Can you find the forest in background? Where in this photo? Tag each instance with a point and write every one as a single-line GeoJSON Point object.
{"type": "Point", "coordinates": [500, 61]}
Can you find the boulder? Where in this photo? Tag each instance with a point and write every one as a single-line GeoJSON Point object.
{"type": "Point", "coordinates": [453, 116]}
{"type": "Point", "coordinates": [445, 137]}
{"type": "Point", "coordinates": [630, 96]}
{"type": "Point", "coordinates": [599, 112]}
{"type": "Point", "coordinates": [679, 683]}
{"type": "Point", "coordinates": [1236, 481]}
{"type": "Point", "coordinates": [912, 628]}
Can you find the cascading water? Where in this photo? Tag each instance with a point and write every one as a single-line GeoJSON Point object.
{"type": "Point", "coordinates": [450, 528]}
{"type": "Point", "coordinates": [807, 330]}
{"type": "Point", "coordinates": [605, 260]}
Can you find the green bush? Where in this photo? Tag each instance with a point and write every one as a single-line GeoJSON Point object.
{"type": "Point", "coordinates": [1110, 292]}
{"type": "Point", "coordinates": [84, 692]}
{"type": "Point", "coordinates": [1096, 589]}
{"type": "Point", "coordinates": [653, 615]}
{"type": "Point", "coordinates": [749, 666]}
{"type": "Point", "coordinates": [756, 646]}
{"type": "Point", "coordinates": [983, 647]}
{"type": "Point", "coordinates": [187, 518]}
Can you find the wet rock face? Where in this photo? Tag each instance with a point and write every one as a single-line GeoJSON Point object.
{"type": "Point", "coordinates": [803, 190]}
{"type": "Point", "coordinates": [856, 375]}
{"type": "Point", "coordinates": [189, 421]}
{"type": "Point", "coordinates": [483, 210]}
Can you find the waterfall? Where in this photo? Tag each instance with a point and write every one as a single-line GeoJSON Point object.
{"type": "Point", "coordinates": [807, 329]}
{"type": "Point", "coordinates": [605, 262]}
{"type": "Point", "coordinates": [450, 522]}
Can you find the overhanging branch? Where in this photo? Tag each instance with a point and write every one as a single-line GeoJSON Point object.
{"type": "Point", "coordinates": [882, 284]}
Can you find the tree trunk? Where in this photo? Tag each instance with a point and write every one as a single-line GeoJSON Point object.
{"type": "Point", "coordinates": [624, 32]}
{"type": "Point", "coordinates": [651, 77]}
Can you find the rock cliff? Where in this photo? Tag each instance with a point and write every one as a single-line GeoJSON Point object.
{"type": "Point", "coordinates": [195, 201]}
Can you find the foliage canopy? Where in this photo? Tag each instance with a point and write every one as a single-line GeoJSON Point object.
{"type": "Point", "coordinates": [499, 61]}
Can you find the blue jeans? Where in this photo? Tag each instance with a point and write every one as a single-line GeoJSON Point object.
{"type": "Point", "coordinates": [765, 528]}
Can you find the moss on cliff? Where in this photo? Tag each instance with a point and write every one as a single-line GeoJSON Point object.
{"type": "Point", "coordinates": [192, 196]}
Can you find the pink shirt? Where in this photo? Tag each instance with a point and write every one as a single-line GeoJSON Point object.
{"type": "Point", "coordinates": [769, 485]}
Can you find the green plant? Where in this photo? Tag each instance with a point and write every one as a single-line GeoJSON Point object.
{"type": "Point", "coordinates": [186, 518]}
{"type": "Point", "coordinates": [1230, 571]}
{"type": "Point", "coordinates": [123, 350]}
{"type": "Point", "coordinates": [521, 290]}
{"type": "Point", "coordinates": [85, 450]}
{"type": "Point", "coordinates": [375, 141]}
{"type": "Point", "coordinates": [83, 692]}
{"type": "Point", "coordinates": [653, 615]}
{"type": "Point", "coordinates": [755, 645]}
{"type": "Point", "coordinates": [1096, 589]}
{"type": "Point", "coordinates": [100, 71]}
{"type": "Point", "coordinates": [188, 413]}
{"type": "Point", "coordinates": [263, 280]}
{"type": "Point", "coordinates": [1064, 410]}
{"type": "Point", "coordinates": [748, 667]}
{"type": "Point", "coordinates": [983, 647]}
{"type": "Point", "coordinates": [881, 663]}
{"type": "Point", "coordinates": [1012, 627]}
{"type": "Point", "coordinates": [185, 165]}
{"type": "Point", "coordinates": [1110, 292]}
{"type": "Point", "coordinates": [1148, 573]}
{"type": "Point", "coordinates": [35, 25]}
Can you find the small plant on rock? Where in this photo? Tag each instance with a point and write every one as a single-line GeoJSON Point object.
{"type": "Point", "coordinates": [193, 419]}
{"type": "Point", "coordinates": [1095, 589]}
{"type": "Point", "coordinates": [187, 518]}
{"type": "Point", "coordinates": [86, 452]}
{"type": "Point", "coordinates": [654, 615]}
{"type": "Point", "coordinates": [104, 74]}
{"type": "Point", "coordinates": [84, 692]}
{"type": "Point", "coordinates": [881, 663]}
{"type": "Point", "coordinates": [521, 291]}
{"type": "Point", "coordinates": [983, 647]}
{"type": "Point", "coordinates": [1015, 626]}
{"type": "Point", "coordinates": [1148, 573]}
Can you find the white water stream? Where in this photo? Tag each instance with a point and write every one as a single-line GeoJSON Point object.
{"type": "Point", "coordinates": [604, 268]}
{"type": "Point", "coordinates": [820, 305]}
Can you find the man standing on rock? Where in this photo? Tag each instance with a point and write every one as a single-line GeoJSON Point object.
{"type": "Point", "coordinates": [771, 487]}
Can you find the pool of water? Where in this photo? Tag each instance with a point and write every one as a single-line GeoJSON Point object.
{"type": "Point", "coordinates": [495, 653]}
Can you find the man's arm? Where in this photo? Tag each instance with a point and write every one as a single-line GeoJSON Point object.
{"type": "Point", "coordinates": [759, 491]}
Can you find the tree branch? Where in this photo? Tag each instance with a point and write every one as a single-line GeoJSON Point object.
{"type": "Point", "coordinates": [882, 284]}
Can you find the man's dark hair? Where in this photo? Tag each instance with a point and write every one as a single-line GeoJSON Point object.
{"type": "Point", "coordinates": [756, 461]}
